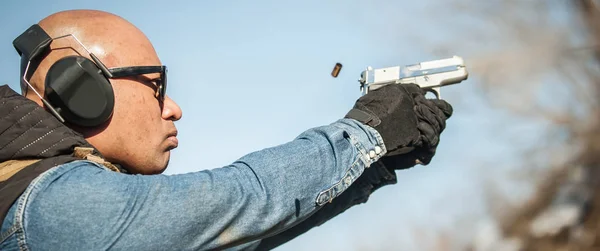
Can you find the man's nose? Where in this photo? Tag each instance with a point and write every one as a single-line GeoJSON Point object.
{"type": "Point", "coordinates": [171, 111]}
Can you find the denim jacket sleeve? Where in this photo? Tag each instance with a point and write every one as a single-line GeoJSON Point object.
{"type": "Point", "coordinates": [373, 178]}
{"type": "Point", "coordinates": [359, 192]}
{"type": "Point", "coordinates": [258, 196]}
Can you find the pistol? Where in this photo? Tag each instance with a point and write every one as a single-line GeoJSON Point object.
{"type": "Point", "coordinates": [430, 75]}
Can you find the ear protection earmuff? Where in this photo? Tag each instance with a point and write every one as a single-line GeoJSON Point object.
{"type": "Point", "coordinates": [77, 89]}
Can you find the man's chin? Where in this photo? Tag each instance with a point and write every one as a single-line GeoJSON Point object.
{"type": "Point", "coordinates": [152, 171]}
{"type": "Point", "coordinates": [156, 168]}
{"type": "Point", "coordinates": [162, 170]}
{"type": "Point", "coordinates": [165, 164]}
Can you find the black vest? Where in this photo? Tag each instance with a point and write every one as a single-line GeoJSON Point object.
{"type": "Point", "coordinates": [27, 131]}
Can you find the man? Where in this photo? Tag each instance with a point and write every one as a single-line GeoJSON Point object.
{"type": "Point", "coordinates": [70, 184]}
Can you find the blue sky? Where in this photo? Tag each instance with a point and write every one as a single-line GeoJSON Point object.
{"type": "Point", "coordinates": [254, 74]}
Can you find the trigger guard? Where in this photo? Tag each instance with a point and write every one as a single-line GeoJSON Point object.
{"type": "Point", "coordinates": [435, 91]}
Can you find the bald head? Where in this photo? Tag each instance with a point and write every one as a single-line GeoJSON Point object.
{"type": "Point", "coordinates": [140, 132]}
{"type": "Point", "coordinates": [114, 40]}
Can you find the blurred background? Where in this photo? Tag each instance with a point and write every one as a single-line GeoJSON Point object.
{"type": "Point", "coordinates": [517, 164]}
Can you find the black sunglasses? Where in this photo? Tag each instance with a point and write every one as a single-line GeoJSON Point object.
{"type": "Point", "coordinates": [161, 83]}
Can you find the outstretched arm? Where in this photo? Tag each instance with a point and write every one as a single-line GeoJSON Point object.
{"type": "Point", "coordinates": [80, 206]}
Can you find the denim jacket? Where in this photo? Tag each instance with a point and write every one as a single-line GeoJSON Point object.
{"type": "Point", "coordinates": [261, 200]}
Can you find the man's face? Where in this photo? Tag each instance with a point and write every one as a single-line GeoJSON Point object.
{"type": "Point", "coordinates": [141, 131]}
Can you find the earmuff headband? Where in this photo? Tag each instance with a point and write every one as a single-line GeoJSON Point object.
{"type": "Point", "coordinates": [31, 44]}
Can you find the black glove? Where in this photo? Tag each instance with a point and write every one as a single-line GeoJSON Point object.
{"type": "Point", "coordinates": [405, 119]}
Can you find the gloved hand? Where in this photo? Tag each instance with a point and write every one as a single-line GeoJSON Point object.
{"type": "Point", "coordinates": [409, 124]}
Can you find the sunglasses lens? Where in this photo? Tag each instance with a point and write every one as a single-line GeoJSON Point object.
{"type": "Point", "coordinates": [163, 88]}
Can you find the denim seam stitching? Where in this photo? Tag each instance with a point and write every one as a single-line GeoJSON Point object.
{"type": "Point", "coordinates": [364, 154]}
{"type": "Point", "coordinates": [363, 157]}
{"type": "Point", "coordinates": [8, 233]}
{"type": "Point", "coordinates": [342, 184]}
{"type": "Point", "coordinates": [369, 130]}
{"type": "Point", "coordinates": [378, 139]}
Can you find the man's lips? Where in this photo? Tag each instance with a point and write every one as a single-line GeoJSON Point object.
{"type": "Point", "coordinates": [173, 141]}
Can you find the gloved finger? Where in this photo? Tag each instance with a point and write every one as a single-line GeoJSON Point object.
{"type": "Point", "coordinates": [425, 155]}
{"type": "Point", "coordinates": [433, 114]}
{"type": "Point", "coordinates": [399, 162]}
{"type": "Point", "coordinates": [401, 150]}
{"type": "Point", "coordinates": [429, 137]}
{"type": "Point", "coordinates": [444, 106]}
{"type": "Point", "coordinates": [419, 155]}
{"type": "Point", "coordinates": [428, 112]}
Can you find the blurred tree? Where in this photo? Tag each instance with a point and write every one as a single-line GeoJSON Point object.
{"type": "Point", "coordinates": [538, 60]}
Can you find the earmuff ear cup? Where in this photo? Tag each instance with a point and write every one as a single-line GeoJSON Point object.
{"type": "Point", "coordinates": [79, 91]}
